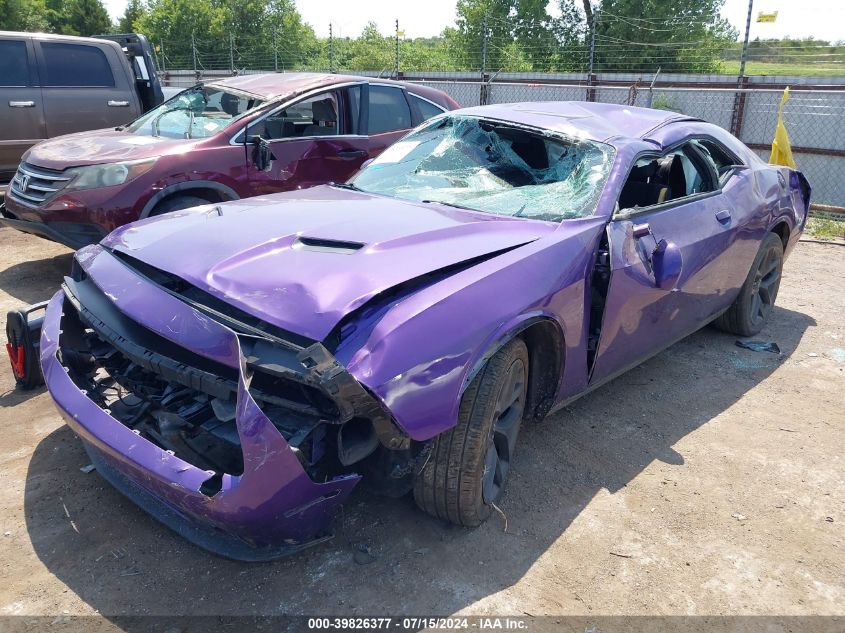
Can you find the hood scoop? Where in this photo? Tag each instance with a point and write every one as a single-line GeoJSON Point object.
{"type": "Point", "coordinates": [303, 260]}
{"type": "Point", "coordinates": [322, 245]}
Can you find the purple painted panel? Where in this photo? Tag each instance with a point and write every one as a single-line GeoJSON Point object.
{"type": "Point", "coordinates": [262, 265]}
{"type": "Point", "coordinates": [272, 505]}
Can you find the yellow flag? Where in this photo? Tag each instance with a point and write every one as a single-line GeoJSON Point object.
{"type": "Point", "coordinates": [781, 149]}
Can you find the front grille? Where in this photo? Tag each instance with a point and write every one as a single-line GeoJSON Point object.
{"type": "Point", "coordinates": [36, 185]}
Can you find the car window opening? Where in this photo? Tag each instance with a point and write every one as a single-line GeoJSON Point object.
{"type": "Point", "coordinates": [494, 168]}
{"type": "Point", "coordinates": [199, 112]}
{"type": "Point", "coordinates": [657, 180]}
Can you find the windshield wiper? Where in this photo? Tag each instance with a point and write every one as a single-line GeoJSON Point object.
{"type": "Point", "coordinates": [448, 204]}
{"type": "Point", "coordinates": [346, 185]}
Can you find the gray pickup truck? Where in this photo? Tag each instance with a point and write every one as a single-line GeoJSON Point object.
{"type": "Point", "coordinates": [57, 84]}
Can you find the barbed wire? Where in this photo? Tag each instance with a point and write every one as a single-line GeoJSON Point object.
{"type": "Point", "coordinates": [507, 52]}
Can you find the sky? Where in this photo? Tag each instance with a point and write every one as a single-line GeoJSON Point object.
{"type": "Point", "coordinates": [823, 19]}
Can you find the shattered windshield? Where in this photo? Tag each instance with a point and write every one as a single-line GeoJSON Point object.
{"type": "Point", "coordinates": [492, 167]}
{"type": "Point", "coordinates": [199, 112]}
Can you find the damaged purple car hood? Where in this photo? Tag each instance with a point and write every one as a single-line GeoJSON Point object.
{"type": "Point", "coordinates": [303, 260]}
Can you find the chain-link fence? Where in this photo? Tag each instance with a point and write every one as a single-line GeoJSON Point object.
{"type": "Point", "coordinates": [814, 114]}
{"type": "Point", "coordinates": [815, 118]}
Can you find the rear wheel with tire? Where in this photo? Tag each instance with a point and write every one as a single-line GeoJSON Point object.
{"type": "Point", "coordinates": [469, 464]}
{"type": "Point", "coordinates": [756, 301]}
{"type": "Point", "coordinates": [176, 203]}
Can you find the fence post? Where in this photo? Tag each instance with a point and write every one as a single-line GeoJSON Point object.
{"type": "Point", "coordinates": [744, 57]}
{"type": "Point", "coordinates": [741, 81]}
{"type": "Point", "coordinates": [194, 55]}
{"type": "Point", "coordinates": [331, 49]}
{"type": "Point", "coordinates": [275, 51]}
{"type": "Point", "coordinates": [397, 49]}
{"type": "Point", "coordinates": [591, 92]}
{"type": "Point", "coordinates": [231, 53]}
{"type": "Point", "coordinates": [738, 114]}
{"type": "Point", "coordinates": [650, 100]}
{"type": "Point", "coordinates": [483, 94]}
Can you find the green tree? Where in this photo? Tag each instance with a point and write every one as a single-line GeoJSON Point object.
{"type": "Point", "coordinates": [78, 17]}
{"type": "Point", "coordinates": [259, 31]}
{"type": "Point", "coordinates": [674, 35]}
{"type": "Point", "coordinates": [475, 19]}
{"type": "Point", "coordinates": [128, 22]}
{"type": "Point", "coordinates": [23, 15]}
{"type": "Point", "coordinates": [172, 23]}
{"type": "Point", "coordinates": [372, 51]}
{"type": "Point", "coordinates": [519, 35]}
{"type": "Point", "coordinates": [56, 10]}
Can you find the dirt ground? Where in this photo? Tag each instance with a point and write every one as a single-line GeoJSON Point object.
{"type": "Point", "coordinates": [709, 480]}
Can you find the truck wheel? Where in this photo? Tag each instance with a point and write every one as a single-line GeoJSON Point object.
{"type": "Point", "coordinates": [175, 203]}
{"type": "Point", "coordinates": [756, 301]}
{"type": "Point", "coordinates": [469, 464]}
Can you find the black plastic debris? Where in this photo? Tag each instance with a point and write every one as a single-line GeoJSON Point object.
{"type": "Point", "coordinates": [759, 346]}
{"type": "Point", "coordinates": [362, 554]}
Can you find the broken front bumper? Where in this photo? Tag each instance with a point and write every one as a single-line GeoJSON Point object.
{"type": "Point", "coordinates": [272, 509]}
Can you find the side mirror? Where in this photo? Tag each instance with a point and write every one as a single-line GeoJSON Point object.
{"type": "Point", "coordinates": [667, 263]}
{"type": "Point", "coordinates": [262, 155]}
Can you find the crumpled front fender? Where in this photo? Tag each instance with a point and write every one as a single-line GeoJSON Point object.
{"type": "Point", "coordinates": [272, 509]}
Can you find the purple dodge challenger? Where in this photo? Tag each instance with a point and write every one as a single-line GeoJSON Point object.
{"type": "Point", "coordinates": [237, 369]}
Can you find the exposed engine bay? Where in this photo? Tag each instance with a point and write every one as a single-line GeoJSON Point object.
{"type": "Point", "coordinates": [186, 404]}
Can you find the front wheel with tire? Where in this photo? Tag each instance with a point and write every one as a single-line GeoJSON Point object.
{"type": "Point", "coordinates": [469, 464]}
{"type": "Point", "coordinates": [756, 301]}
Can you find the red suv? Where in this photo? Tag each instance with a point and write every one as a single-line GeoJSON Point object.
{"type": "Point", "coordinates": [239, 137]}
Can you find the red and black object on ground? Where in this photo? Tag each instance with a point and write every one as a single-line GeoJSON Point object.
{"type": "Point", "coordinates": [23, 333]}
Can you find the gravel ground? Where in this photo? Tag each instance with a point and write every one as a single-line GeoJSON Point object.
{"type": "Point", "coordinates": [709, 480]}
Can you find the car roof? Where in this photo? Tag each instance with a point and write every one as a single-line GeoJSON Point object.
{"type": "Point", "coordinates": [58, 37]}
{"type": "Point", "coordinates": [583, 119]}
{"type": "Point", "coordinates": [272, 85]}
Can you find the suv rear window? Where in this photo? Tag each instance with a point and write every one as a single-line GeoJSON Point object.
{"type": "Point", "coordinates": [427, 108]}
{"type": "Point", "coordinates": [389, 110]}
{"type": "Point", "coordinates": [14, 67]}
{"type": "Point", "coordinates": [69, 65]}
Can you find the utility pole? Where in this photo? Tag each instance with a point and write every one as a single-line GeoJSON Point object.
{"type": "Point", "coordinates": [275, 51]}
{"type": "Point", "coordinates": [331, 49]}
{"type": "Point", "coordinates": [397, 48]}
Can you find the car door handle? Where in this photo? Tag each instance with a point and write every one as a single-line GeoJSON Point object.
{"type": "Point", "coordinates": [118, 104]}
{"type": "Point", "coordinates": [352, 153]}
{"type": "Point", "coordinates": [723, 216]}
{"type": "Point", "coordinates": [21, 104]}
